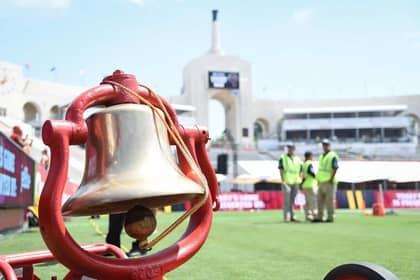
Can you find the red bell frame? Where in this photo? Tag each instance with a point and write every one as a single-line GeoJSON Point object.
{"type": "Point", "coordinates": [58, 135]}
{"type": "Point", "coordinates": [26, 261]}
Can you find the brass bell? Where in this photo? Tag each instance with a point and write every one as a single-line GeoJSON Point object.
{"type": "Point", "coordinates": [129, 162]}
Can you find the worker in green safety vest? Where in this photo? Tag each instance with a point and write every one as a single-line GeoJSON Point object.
{"type": "Point", "coordinates": [309, 187]}
{"type": "Point", "coordinates": [327, 182]}
{"type": "Point", "coordinates": [290, 167]}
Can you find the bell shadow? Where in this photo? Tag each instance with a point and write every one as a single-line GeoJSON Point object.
{"type": "Point", "coordinates": [44, 264]}
{"type": "Point", "coordinates": [269, 223]}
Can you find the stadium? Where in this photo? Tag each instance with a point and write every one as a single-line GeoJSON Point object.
{"type": "Point", "coordinates": [376, 139]}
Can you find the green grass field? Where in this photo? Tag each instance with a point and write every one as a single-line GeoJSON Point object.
{"type": "Point", "coordinates": [257, 245]}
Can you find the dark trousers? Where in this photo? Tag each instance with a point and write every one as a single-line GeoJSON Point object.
{"type": "Point", "coordinates": [115, 225]}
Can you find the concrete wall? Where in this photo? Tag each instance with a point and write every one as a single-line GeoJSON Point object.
{"type": "Point", "coordinates": [242, 109]}
{"type": "Point", "coordinates": [40, 95]}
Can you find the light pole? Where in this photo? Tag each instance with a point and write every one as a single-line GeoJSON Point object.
{"type": "Point", "coordinates": [234, 147]}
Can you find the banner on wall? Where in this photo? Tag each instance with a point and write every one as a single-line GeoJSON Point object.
{"type": "Point", "coordinates": [344, 199]}
{"type": "Point", "coordinates": [256, 200]}
{"type": "Point", "coordinates": [400, 199]}
{"type": "Point", "coordinates": [21, 179]}
{"type": "Point", "coordinates": [17, 175]}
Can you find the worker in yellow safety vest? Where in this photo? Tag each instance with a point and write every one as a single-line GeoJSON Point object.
{"type": "Point", "coordinates": [309, 187]}
{"type": "Point", "coordinates": [327, 182]}
{"type": "Point", "coordinates": [290, 167]}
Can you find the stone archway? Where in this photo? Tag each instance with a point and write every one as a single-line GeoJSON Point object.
{"type": "Point", "coordinates": [217, 119]}
{"type": "Point", "coordinates": [31, 113]}
{"type": "Point", "coordinates": [227, 100]}
{"type": "Point", "coordinates": [32, 116]}
{"type": "Point", "coordinates": [55, 113]}
{"type": "Point", "coordinates": [261, 128]}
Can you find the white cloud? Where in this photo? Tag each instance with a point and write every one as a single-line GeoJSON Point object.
{"type": "Point", "coordinates": [413, 35]}
{"type": "Point", "coordinates": [415, 45]}
{"type": "Point", "coordinates": [413, 39]}
{"type": "Point", "coordinates": [52, 4]}
{"type": "Point", "coordinates": [139, 3]}
{"type": "Point", "coordinates": [303, 16]}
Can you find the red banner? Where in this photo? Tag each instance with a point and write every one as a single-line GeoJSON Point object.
{"type": "Point", "coordinates": [400, 199]}
{"type": "Point", "coordinates": [16, 175]}
{"type": "Point", "coordinates": [255, 201]}
{"type": "Point", "coordinates": [274, 200]}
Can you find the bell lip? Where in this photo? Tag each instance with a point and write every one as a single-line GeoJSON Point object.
{"type": "Point", "coordinates": [94, 194]}
{"type": "Point", "coordinates": [123, 206]}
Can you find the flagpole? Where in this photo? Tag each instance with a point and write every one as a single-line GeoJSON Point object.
{"type": "Point", "coordinates": [55, 75]}
{"type": "Point", "coordinates": [27, 68]}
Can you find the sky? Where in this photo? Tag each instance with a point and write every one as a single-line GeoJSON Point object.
{"type": "Point", "coordinates": [297, 49]}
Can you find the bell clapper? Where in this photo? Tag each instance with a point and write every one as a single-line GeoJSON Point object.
{"type": "Point", "coordinates": [140, 223]}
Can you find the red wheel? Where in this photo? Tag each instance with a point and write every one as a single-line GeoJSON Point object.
{"type": "Point", "coordinates": [360, 271]}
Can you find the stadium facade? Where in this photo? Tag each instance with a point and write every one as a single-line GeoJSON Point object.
{"type": "Point", "coordinates": [371, 125]}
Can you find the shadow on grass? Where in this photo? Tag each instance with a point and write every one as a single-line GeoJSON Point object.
{"type": "Point", "coordinates": [30, 231]}
{"type": "Point", "coordinates": [284, 223]}
{"type": "Point", "coordinates": [51, 263]}
{"type": "Point", "coordinates": [269, 223]}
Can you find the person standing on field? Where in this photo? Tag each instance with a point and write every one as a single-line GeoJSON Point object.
{"type": "Point", "coordinates": [309, 187]}
{"type": "Point", "coordinates": [290, 167]}
{"type": "Point", "coordinates": [327, 182]}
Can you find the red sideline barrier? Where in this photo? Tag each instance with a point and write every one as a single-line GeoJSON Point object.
{"type": "Point", "coordinates": [255, 200]}
{"type": "Point", "coordinates": [400, 199]}
{"type": "Point", "coordinates": [21, 183]}
{"type": "Point", "coordinates": [274, 200]}
{"type": "Point", "coordinates": [17, 179]}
